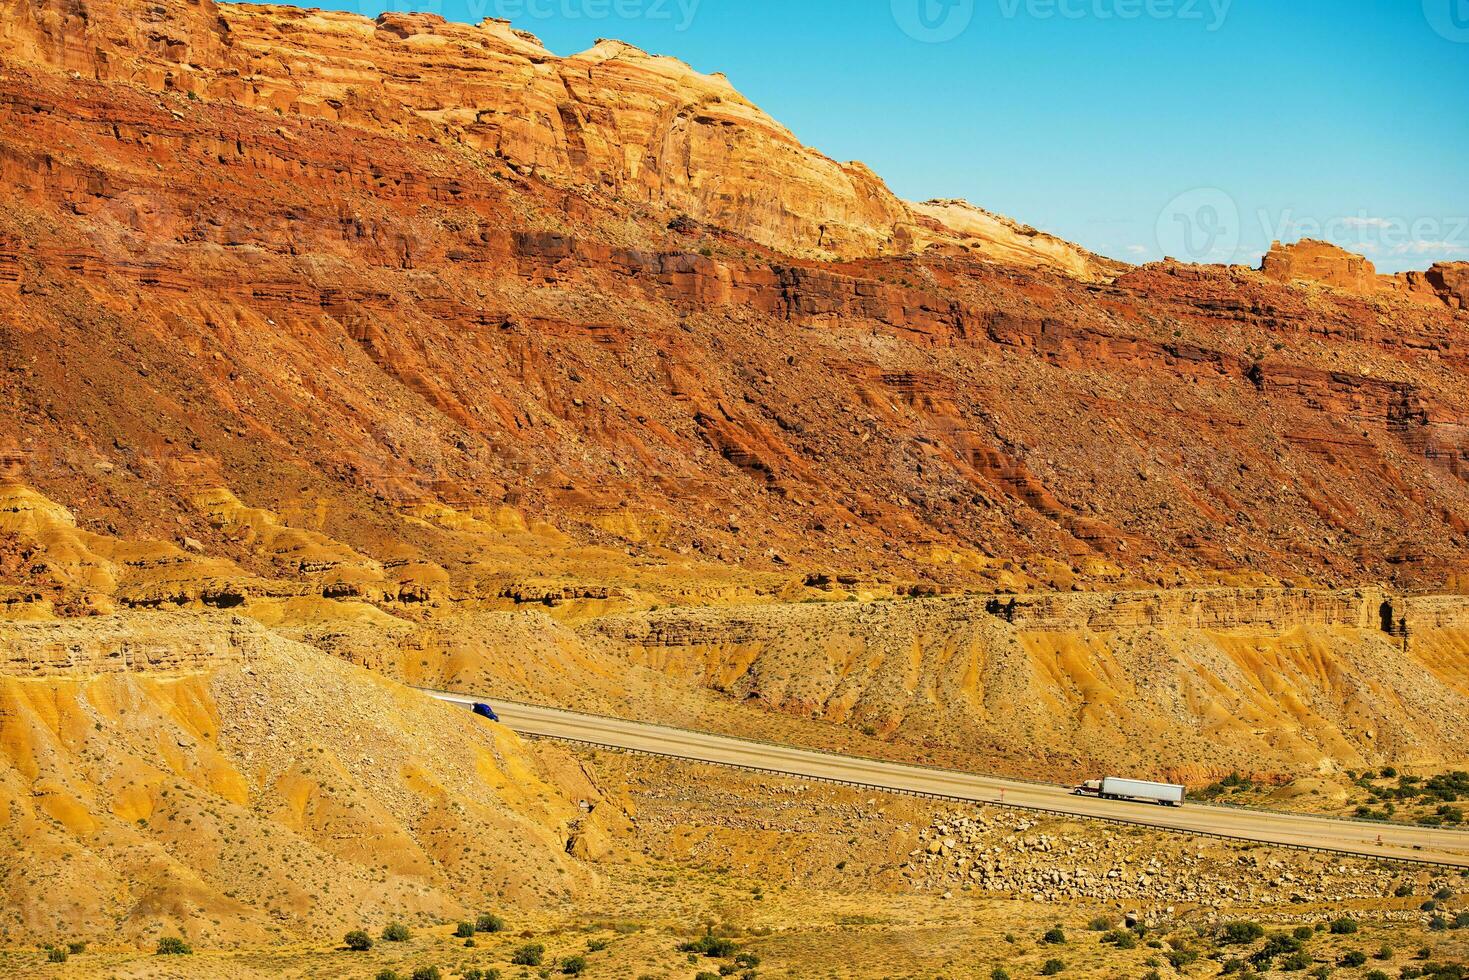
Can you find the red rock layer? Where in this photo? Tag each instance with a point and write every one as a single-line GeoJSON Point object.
{"type": "Point", "coordinates": [342, 307]}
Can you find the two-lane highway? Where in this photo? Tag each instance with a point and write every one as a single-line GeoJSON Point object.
{"type": "Point", "coordinates": [1382, 841]}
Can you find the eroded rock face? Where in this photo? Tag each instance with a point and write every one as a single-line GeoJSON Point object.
{"type": "Point", "coordinates": [644, 129]}
{"type": "Point", "coordinates": [1314, 261]}
{"type": "Point", "coordinates": [398, 285]}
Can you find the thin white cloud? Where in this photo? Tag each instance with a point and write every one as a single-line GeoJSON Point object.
{"type": "Point", "coordinates": [1423, 248]}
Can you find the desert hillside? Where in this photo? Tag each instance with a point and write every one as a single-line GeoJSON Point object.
{"type": "Point", "coordinates": [171, 773]}
{"type": "Point", "coordinates": [345, 356]}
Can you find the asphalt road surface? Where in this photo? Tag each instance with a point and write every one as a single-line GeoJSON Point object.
{"type": "Point", "coordinates": [1383, 841]}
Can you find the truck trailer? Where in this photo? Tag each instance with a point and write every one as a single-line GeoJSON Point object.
{"type": "Point", "coordinates": [1113, 788]}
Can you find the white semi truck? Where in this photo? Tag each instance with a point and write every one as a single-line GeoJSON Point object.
{"type": "Point", "coordinates": [1112, 788]}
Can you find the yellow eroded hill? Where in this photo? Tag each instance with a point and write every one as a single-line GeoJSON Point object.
{"type": "Point", "coordinates": [168, 772]}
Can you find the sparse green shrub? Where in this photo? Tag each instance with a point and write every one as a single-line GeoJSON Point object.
{"type": "Point", "coordinates": [427, 973]}
{"type": "Point", "coordinates": [1296, 962]}
{"type": "Point", "coordinates": [464, 930]}
{"type": "Point", "coordinates": [574, 966]}
{"type": "Point", "coordinates": [1404, 890]}
{"type": "Point", "coordinates": [999, 973]}
{"type": "Point", "coordinates": [1102, 923]}
{"type": "Point", "coordinates": [706, 975]}
{"type": "Point", "coordinates": [56, 955]}
{"type": "Point", "coordinates": [396, 932]}
{"type": "Point", "coordinates": [1120, 938]}
{"type": "Point", "coordinates": [530, 954]}
{"type": "Point", "coordinates": [488, 922]}
{"type": "Point", "coordinates": [76, 947]}
{"type": "Point", "coordinates": [596, 945]}
{"type": "Point", "coordinates": [1180, 958]}
{"type": "Point", "coordinates": [1241, 933]}
{"type": "Point", "coordinates": [1444, 894]}
{"type": "Point", "coordinates": [1376, 975]}
{"type": "Point", "coordinates": [747, 961]}
{"type": "Point", "coordinates": [1052, 968]}
{"type": "Point", "coordinates": [1386, 952]}
{"type": "Point", "coordinates": [358, 940]}
{"type": "Point", "coordinates": [388, 975]}
{"type": "Point", "coordinates": [1461, 921]}
{"type": "Point", "coordinates": [1279, 944]}
{"type": "Point", "coordinates": [1343, 927]}
{"type": "Point", "coordinates": [712, 946]}
{"type": "Point", "coordinates": [173, 946]}
{"type": "Point", "coordinates": [1054, 936]}
{"type": "Point", "coordinates": [1303, 933]}
{"type": "Point", "coordinates": [1354, 958]}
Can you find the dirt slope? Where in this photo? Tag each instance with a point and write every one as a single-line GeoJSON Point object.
{"type": "Point", "coordinates": [166, 773]}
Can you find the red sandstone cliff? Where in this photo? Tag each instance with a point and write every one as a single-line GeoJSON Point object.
{"type": "Point", "coordinates": [357, 269]}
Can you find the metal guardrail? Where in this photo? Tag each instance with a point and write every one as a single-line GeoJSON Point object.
{"type": "Point", "coordinates": [946, 797]}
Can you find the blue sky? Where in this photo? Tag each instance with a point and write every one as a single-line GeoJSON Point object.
{"type": "Point", "coordinates": [1199, 128]}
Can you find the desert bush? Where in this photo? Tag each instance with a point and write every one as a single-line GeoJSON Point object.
{"type": "Point", "coordinates": [76, 947]}
{"type": "Point", "coordinates": [1120, 938]}
{"type": "Point", "coordinates": [999, 973]}
{"type": "Point", "coordinates": [427, 973]}
{"type": "Point", "coordinates": [574, 966]}
{"type": "Point", "coordinates": [1241, 933]}
{"type": "Point", "coordinates": [396, 932]}
{"type": "Point", "coordinates": [1376, 975]}
{"type": "Point", "coordinates": [388, 975]}
{"type": "Point", "coordinates": [596, 945]}
{"type": "Point", "coordinates": [173, 946]}
{"type": "Point", "coordinates": [55, 955]}
{"type": "Point", "coordinates": [464, 930]}
{"type": "Point", "coordinates": [1102, 923]}
{"type": "Point", "coordinates": [1296, 962]}
{"type": "Point", "coordinates": [1054, 936]}
{"type": "Point", "coordinates": [1354, 958]}
{"type": "Point", "coordinates": [1303, 933]}
{"type": "Point", "coordinates": [712, 946]}
{"type": "Point", "coordinates": [747, 961]}
{"type": "Point", "coordinates": [530, 954]}
{"type": "Point", "coordinates": [1180, 958]}
{"type": "Point", "coordinates": [489, 922]}
{"type": "Point", "coordinates": [1343, 927]}
{"type": "Point", "coordinates": [1052, 968]}
{"type": "Point", "coordinates": [358, 940]}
